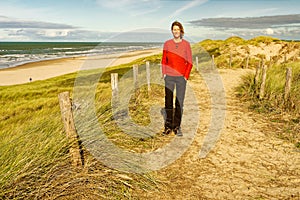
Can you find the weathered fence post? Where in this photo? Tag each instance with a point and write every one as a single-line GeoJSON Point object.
{"type": "Point", "coordinates": [247, 61]}
{"type": "Point", "coordinates": [160, 68]}
{"type": "Point", "coordinates": [114, 86]}
{"type": "Point", "coordinates": [263, 82]}
{"type": "Point", "coordinates": [68, 120]}
{"type": "Point", "coordinates": [213, 62]}
{"type": "Point", "coordinates": [257, 72]}
{"type": "Point", "coordinates": [288, 83]}
{"type": "Point", "coordinates": [135, 75]}
{"type": "Point", "coordinates": [197, 64]}
{"type": "Point", "coordinates": [148, 75]}
{"type": "Point", "coordinates": [262, 62]}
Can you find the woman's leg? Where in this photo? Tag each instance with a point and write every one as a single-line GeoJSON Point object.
{"type": "Point", "coordinates": [180, 94]}
{"type": "Point", "coordinates": [169, 91]}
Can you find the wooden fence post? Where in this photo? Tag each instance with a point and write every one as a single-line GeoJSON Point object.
{"type": "Point", "coordinates": [197, 64]}
{"type": "Point", "coordinates": [135, 75]}
{"type": "Point", "coordinates": [288, 83]}
{"type": "Point", "coordinates": [262, 63]}
{"type": "Point", "coordinates": [148, 75]}
{"type": "Point", "coordinates": [257, 72]}
{"type": "Point", "coordinates": [212, 61]}
{"type": "Point", "coordinates": [263, 82]}
{"type": "Point", "coordinates": [160, 68]}
{"type": "Point", "coordinates": [247, 61]}
{"type": "Point", "coordinates": [68, 120]}
{"type": "Point", "coordinates": [271, 61]}
{"type": "Point", "coordinates": [114, 85]}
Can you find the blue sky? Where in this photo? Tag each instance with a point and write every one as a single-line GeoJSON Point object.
{"type": "Point", "coordinates": [146, 20]}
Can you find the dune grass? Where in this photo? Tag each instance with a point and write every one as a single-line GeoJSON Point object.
{"type": "Point", "coordinates": [34, 159]}
{"type": "Point", "coordinates": [31, 132]}
{"type": "Point", "coordinates": [238, 49]}
{"type": "Point", "coordinates": [284, 112]}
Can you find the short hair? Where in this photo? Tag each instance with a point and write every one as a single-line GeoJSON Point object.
{"type": "Point", "coordinates": [177, 23]}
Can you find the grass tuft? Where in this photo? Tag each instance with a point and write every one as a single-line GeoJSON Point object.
{"type": "Point", "coordinates": [284, 112]}
{"type": "Point", "coordinates": [34, 159]}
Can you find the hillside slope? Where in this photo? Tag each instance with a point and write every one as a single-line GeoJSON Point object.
{"type": "Point", "coordinates": [251, 52]}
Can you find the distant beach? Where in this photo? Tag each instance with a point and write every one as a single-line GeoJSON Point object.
{"type": "Point", "coordinates": [45, 69]}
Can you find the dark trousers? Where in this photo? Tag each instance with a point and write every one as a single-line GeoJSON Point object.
{"type": "Point", "coordinates": [174, 115]}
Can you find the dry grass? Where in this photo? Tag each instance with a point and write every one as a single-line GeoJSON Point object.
{"type": "Point", "coordinates": [35, 162]}
{"type": "Point", "coordinates": [284, 114]}
{"type": "Point", "coordinates": [34, 159]}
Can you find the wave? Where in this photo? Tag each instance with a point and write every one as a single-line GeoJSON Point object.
{"type": "Point", "coordinates": [13, 54]}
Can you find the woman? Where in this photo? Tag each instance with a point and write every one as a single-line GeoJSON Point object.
{"type": "Point", "coordinates": [176, 68]}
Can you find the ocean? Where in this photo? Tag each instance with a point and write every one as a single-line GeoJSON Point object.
{"type": "Point", "coordinates": [13, 54]}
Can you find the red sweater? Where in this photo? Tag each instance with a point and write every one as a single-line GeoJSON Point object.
{"type": "Point", "coordinates": [177, 58]}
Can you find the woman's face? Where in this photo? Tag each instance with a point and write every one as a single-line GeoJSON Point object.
{"type": "Point", "coordinates": [176, 31]}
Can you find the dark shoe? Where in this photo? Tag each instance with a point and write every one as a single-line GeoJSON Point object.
{"type": "Point", "coordinates": [178, 131]}
{"type": "Point", "coordinates": [167, 131]}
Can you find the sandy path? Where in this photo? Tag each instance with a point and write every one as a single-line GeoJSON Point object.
{"type": "Point", "coordinates": [247, 162]}
{"type": "Point", "coordinates": [52, 68]}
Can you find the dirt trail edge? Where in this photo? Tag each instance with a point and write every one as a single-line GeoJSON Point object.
{"type": "Point", "coordinates": [246, 162]}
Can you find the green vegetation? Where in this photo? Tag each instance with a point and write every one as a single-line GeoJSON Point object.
{"type": "Point", "coordinates": [247, 53]}
{"type": "Point", "coordinates": [34, 159]}
{"type": "Point", "coordinates": [263, 39]}
{"type": "Point", "coordinates": [284, 112]}
{"type": "Point", "coordinates": [277, 55]}
{"type": "Point", "coordinates": [235, 40]}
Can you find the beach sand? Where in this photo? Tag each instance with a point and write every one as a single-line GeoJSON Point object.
{"type": "Point", "coordinates": [42, 70]}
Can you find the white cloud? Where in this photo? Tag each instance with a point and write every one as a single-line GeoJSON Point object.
{"type": "Point", "coordinates": [53, 33]}
{"type": "Point", "coordinates": [7, 22]}
{"type": "Point", "coordinates": [12, 35]}
{"type": "Point", "coordinates": [269, 31]}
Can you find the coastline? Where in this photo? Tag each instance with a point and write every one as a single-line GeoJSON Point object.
{"type": "Point", "coordinates": [42, 70]}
